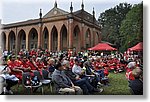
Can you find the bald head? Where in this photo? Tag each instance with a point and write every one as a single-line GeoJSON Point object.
{"type": "Point", "coordinates": [137, 72]}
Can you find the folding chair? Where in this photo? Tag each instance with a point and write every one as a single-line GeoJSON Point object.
{"type": "Point", "coordinates": [30, 86]}
{"type": "Point", "coordinates": [45, 74]}
{"type": "Point", "coordinates": [42, 80]}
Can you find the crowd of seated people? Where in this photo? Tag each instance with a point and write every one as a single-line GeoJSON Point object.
{"type": "Point", "coordinates": [89, 70]}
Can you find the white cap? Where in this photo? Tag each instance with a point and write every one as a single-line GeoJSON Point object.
{"type": "Point", "coordinates": [65, 62]}
{"type": "Point", "coordinates": [131, 64]}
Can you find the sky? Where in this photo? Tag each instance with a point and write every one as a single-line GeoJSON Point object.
{"type": "Point", "coordinates": [21, 10]}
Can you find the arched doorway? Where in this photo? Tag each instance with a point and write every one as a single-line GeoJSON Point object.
{"type": "Point", "coordinates": [33, 39]}
{"type": "Point", "coordinates": [21, 39]}
{"type": "Point", "coordinates": [64, 39]}
{"type": "Point", "coordinates": [76, 39]}
{"type": "Point", "coordinates": [11, 41]}
{"type": "Point", "coordinates": [54, 39]}
{"type": "Point", "coordinates": [3, 41]}
{"type": "Point", "coordinates": [45, 38]}
{"type": "Point", "coordinates": [88, 39]}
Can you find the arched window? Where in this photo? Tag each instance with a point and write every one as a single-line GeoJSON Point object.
{"type": "Point", "coordinates": [12, 41]}
{"type": "Point", "coordinates": [33, 38]}
{"type": "Point", "coordinates": [45, 38]}
{"type": "Point", "coordinates": [64, 38]}
{"type": "Point", "coordinates": [54, 39]}
{"type": "Point", "coordinates": [88, 39]}
{"type": "Point", "coordinates": [21, 40]}
{"type": "Point", "coordinates": [76, 38]}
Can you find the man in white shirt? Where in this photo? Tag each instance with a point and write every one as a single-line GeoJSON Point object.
{"type": "Point", "coordinates": [76, 69]}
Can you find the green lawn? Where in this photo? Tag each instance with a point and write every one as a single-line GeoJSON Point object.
{"type": "Point", "coordinates": [118, 86]}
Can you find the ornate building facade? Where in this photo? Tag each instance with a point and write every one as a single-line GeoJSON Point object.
{"type": "Point", "coordinates": [57, 30]}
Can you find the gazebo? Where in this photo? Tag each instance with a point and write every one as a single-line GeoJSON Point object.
{"type": "Point", "coordinates": [102, 47]}
{"type": "Point", "coordinates": [138, 47]}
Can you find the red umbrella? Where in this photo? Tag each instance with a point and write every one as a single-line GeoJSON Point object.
{"type": "Point", "coordinates": [138, 47]}
{"type": "Point", "coordinates": [103, 46]}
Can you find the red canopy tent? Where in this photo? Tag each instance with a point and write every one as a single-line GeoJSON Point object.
{"type": "Point", "coordinates": [103, 46]}
{"type": "Point", "coordinates": [138, 47]}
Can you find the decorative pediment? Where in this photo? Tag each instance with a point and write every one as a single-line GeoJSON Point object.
{"type": "Point", "coordinates": [55, 12]}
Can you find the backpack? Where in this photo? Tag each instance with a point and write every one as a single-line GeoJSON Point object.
{"type": "Point", "coordinates": [35, 81]}
{"type": "Point", "coordinates": [27, 81]}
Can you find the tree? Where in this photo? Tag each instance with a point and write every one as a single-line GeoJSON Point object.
{"type": "Point", "coordinates": [110, 21]}
{"type": "Point", "coordinates": [132, 27]}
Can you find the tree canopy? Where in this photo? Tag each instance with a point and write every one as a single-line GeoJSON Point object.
{"type": "Point", "coordinates": [132, 27]}
{"type": "Point", "coordinates": [117, 23]}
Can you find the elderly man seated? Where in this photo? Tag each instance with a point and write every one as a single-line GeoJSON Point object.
{"type": "Point", "coordinates": [136, 85]}
{"type": "Point", "coordinates": [82, 82]}
{"type": "Point", "coordinates": [63, 84]}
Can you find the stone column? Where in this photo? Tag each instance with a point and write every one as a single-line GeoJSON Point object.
{"type": "Point", "coordinates": [40, 35]}
{"type": "Point", "coordinates": [7, 44]}
{"type": "Point", "coordinates": [16, 42]}
{"type": "Point", "coordinates": [82, 37]}
{"type": "Point", "coordinates": [93, 37]}
{"type": "Point", "coordinates": [50, 42]}
{"type": "Point", "coordinates": [27, 42]}
{"type": "Point", "coordinates": [70, 33]}
{"type": "Point", "coordinates": [59, 41]}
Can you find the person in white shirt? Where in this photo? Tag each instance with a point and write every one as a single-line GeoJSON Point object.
{"type": "Point", "coordinates": [10, 80]}
{"type": "Point", "coordinates": [76, 69]}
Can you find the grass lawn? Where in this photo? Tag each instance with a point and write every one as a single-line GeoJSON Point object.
{"type": "Point", "coordinates": [118, 86]}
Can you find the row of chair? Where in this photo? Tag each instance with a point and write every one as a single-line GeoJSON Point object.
{"type": "Point", "coordinates": [44, 79]}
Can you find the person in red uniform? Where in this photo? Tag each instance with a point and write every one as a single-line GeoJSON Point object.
{"type": "Point", "coordinates": [21, 52]}
{"type": "Point", "coordinates": [71, 62]}
{"type": "Point", "coordinates": [34, 58]}
{"type": "Point", "coordinates": [18, 61]}
{"type": "Point", "coordinates": [99, 68]}
{"type": "Point", "coordinates": [96, 64]}
{"type": "Point", "coordinates": [32, 52]}
{"type": "Point", "coordinates": [111, 64]}
{"type": "Point", "coordinates": [69, 53]}
{"type": "Point", "coordinates": [130, 67]}
{"type": "Point", "coordinates": [40, 64]}
{"type": "Point", "coordinates": [24, 65]}
{"type": "Point", "coordinates": [32, 63]}
{"type": "Point", "coordinates": [14, 67]}
{"type": "Point", "coordinates": [106, 72]}
{"type": "Point", "coordinates": [47, 53]}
